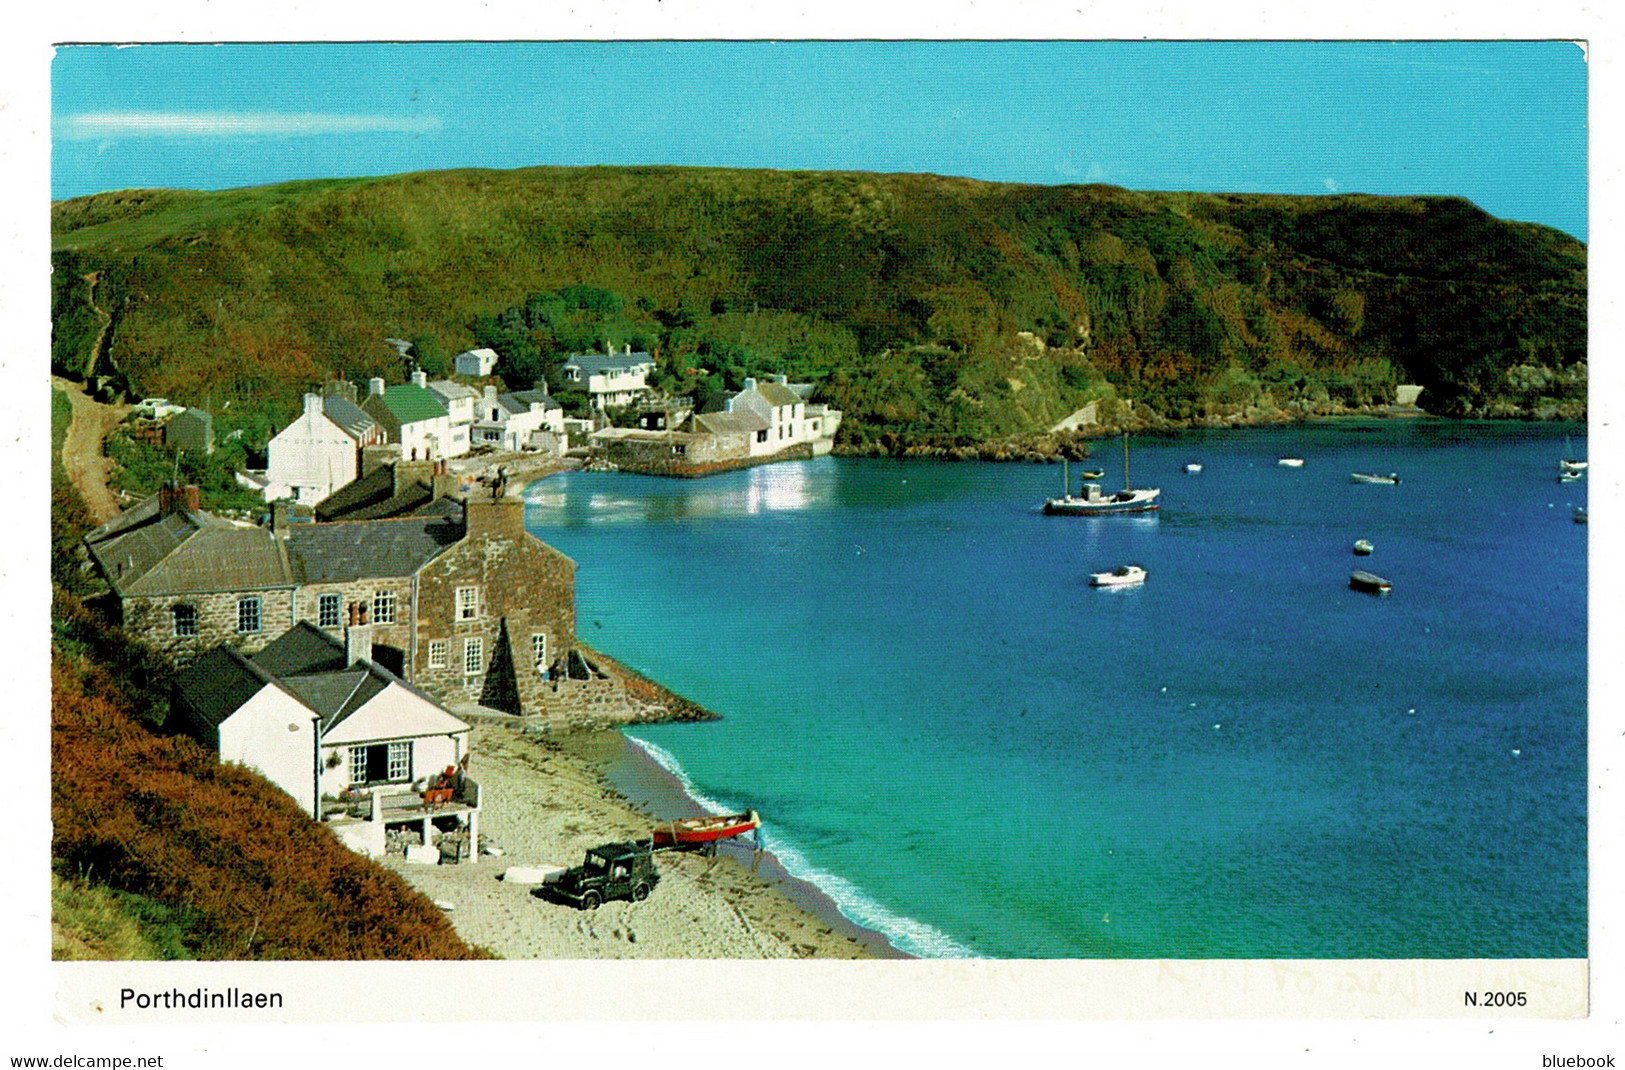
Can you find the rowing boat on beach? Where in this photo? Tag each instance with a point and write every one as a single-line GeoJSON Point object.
{"type": "Point", "coordinates": [702, 830]}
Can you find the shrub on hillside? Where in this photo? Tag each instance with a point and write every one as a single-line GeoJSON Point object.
{"type": "Point", "coordinates": [163, 818]}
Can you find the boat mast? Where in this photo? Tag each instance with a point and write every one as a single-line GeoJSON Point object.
{"type": "Point", "coordinates": [1125, 461]}
{"type": "Point", "coordinates": [1066, 479]}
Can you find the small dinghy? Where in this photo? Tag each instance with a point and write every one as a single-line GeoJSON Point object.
{"type": "Point", "coordinates": [1362, 547]}
{"type": "Point", "coordinates": [1369, 582]}
{"type": "Point", "coordinates": [1290, 462]}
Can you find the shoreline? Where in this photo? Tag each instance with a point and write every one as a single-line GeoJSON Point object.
{"type": "Point", "coordinates": [549, 799]}
{"type": "Point", "coordinates": [647, 784]}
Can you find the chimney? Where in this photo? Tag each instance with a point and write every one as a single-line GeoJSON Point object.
{"type": "Point", "coordinates": [375, 457]}
{"type": "Point", "coordinates": [313, 404]}
{"type": "Point", "coordinates": [420, 378]}
{"type": "Point", "coordinates": [442, 483]}
{"type": "Point", "coordinates": [173, 499]}
{"type": "Point", "coordinates": [279, 516]}
{"type": "Point", "coordinates": [375, 385]}
{"type": "Point", "coordinates": [490, 395]}
{"type": "Point", "coordinates": [358, 644]}
{"type": "Point", "coordinates": [782, 380]}
{"type": "Point", "coordinates": [494, 517]}
{"type": "Point", "coordinates": [339, 388]}
{"type": "Point", "coordinates": [750, 384]}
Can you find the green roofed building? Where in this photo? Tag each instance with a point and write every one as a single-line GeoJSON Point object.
{"type": "Point", "coordinates": [414, 417]}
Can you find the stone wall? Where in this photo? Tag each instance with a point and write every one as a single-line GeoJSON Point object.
{"type": "Point", "coordinates": [523, 584]}
{"type": "Point", "coordinates": [152, 619]}
{"type": "Point", "coordinates": [687, 467]}
{"type": "Point", "coordinates": [360, 592]}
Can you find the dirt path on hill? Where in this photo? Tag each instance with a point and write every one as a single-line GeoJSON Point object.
{"type": "Point", "coordinates": [82, 452]}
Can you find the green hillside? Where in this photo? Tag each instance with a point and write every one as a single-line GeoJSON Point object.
{"type": "Point", "coordinates": [932, 309]}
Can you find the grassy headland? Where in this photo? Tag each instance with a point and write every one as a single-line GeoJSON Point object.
{"type": "Point", "coordinates": [935, 311]}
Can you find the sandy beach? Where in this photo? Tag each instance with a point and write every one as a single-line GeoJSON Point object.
{"type": "Point", "coordinates": [545, 802]}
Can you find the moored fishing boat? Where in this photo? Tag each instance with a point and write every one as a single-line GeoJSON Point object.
{"type": "Point", "coordinates": [1362, 547]}
{"type": "Point", "coordinates": [1091, 502]}
{"type": "Point", "coordinates": [1122, 576]}
{"type": "Point", "coordinates": [1290, 462]}
{"type": "Point", "coordinates": [1391, 479]}
{"type": "Point", "coordinates": [1370, 582]}
{"type": "Point", "coordinates": [1193, 468]}
{"type": "Point", "coordinates": [702, 830]}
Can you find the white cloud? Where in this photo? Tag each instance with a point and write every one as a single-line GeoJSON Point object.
{"type": "Point", "coordinates": [236, 124]}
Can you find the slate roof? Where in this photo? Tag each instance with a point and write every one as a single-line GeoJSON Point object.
{"type": "Point", "coordinates": [336, 695]}
{"type": "Point", "coordinates": [448, 391]}
{"type": "Point", "coordinates": [731, 423]}
{"type": "Point", "coordinates": [598, 363]}
{"type": "Point", "coordinates": [303, 661]}
{"type": "Point", "coordinates": [778, 395]}
{"type": "Point", "coordinates": [410, 403]}
{"type": "Point", "coordinates": [369, 549]}
{"type": "Point", "coordinates": [143, 553]}
{"type": "Point", "coordinates": [348, 415]}
{"type": "Point", "coordinates": [304, 648]}
{"type": "Point", "coordinates": [216, 685]}
{"type": "Point", "coordinates": [534, 397]}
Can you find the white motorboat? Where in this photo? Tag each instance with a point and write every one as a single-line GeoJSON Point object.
{"type": "Point", "coordinates": [1290, 462]}
{"type": "Point", "coordinates": [1193, 468]}
{"type": "Point", "coordinates": [1122, 576]}
{"type": "Point", "coordinates": [1391, 479]}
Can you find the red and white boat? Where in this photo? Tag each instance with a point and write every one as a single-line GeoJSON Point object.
{"type": "Point", "coordinates": [703, 830]}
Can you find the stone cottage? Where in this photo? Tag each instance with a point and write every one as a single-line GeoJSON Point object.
{"type": "Point", "coordinates": [470, 608]}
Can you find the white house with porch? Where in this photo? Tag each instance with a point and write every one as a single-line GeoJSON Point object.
{"type": "Point", "coordinates": [609, 378]}
{"type": "Point", "coordinates": [352, 743]}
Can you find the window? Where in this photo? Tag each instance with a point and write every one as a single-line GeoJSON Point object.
{"type": "Point", "coordinates": [327, 610]}
{"type": "Point", "coordinates": [184, 617]}
{"type": "Point", "coordinates": [400, 761]}
{"type": "Point", "coordinates": [383, 607]}
{"type": "Point", "coordinates": [248, 614]}
{"type": "Point", "coordinates": [439, 653]}
{"type": "Point", "coordinates": [379, 762]}
{"type": "Point", "coordinates": [473, 655]}
{"type": "Point", "coordinates": [468, 603]}
{"type": "Point", "coordinates": [538, 651]}
{"type": "Point", "coordinates": [761, 436]}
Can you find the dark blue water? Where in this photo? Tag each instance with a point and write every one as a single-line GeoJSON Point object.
{"type": "Point", "coordinates": [975, 752]}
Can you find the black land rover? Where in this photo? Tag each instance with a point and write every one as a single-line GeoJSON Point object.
{"type": "Point", "coordinates": [613, 871]}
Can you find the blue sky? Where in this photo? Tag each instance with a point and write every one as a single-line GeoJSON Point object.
{"type": "Point", "coordinates": [1502, 123]}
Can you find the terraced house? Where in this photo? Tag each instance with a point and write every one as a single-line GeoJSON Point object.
{"type": "Point", "coordinates": [471, 607]}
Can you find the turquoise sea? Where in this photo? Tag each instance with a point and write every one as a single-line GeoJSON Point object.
{"type": "Point", "coordinates": [975, 753]}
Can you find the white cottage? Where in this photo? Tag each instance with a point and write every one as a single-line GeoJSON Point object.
{"type": "Point", "coordinates": [475, 362]}
{"type": "Point", "coordinates": [320, 451]}
{"type": "Point", "coordinates": [335, 731]}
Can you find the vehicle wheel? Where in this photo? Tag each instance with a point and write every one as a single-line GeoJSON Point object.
{"type": "Point", "coordinates": [590, 901]}
{"type": "Point", "coordinates": [640, 892]}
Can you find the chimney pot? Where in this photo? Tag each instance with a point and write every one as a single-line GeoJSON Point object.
{"type": "Point", "coordinates": [420, 378]}
{"type": "Point", "coordinates": [375, 385]}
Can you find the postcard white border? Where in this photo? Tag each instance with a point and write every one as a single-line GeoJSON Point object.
{"type": "Point", "coordinates": [45, 1003]}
